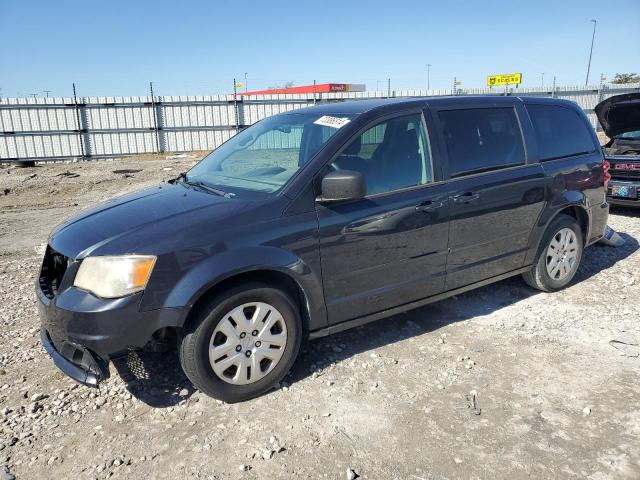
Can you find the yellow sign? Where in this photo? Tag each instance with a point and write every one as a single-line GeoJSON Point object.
{"type": "Point", "coordinates": [239, 85]}
{"type": "Point", "coordinates": [505, 79]}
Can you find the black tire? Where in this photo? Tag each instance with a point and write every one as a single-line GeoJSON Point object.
{"type": "Point", "coordinates": [194, 343]}
{"type": "Point", "coordinates": [538, 277]}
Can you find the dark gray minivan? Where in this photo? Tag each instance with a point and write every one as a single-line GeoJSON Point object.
{"type": "Point", "coordinates": [318, 220]}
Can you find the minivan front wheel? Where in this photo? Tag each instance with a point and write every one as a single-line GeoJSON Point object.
{"type": "Point", "coordinates": [559, 255]}
{"type": "Point", "coordinates": [241, 343]}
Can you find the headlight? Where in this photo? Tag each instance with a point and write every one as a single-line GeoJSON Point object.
{"type": "Point", "coordinates": [113, 277]}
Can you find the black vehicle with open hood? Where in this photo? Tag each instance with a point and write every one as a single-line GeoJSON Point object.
{"type": "Point", "coordinates": [620, 119]}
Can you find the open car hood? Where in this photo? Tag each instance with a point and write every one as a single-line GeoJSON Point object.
{"type": "Point", "coordinates": [619, 114]}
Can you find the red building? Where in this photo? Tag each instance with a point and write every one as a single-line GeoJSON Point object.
{"type": "Point", "coordinates": [318, 88]}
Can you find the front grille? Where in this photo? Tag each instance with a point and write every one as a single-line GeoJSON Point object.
{"type": "Point", "coordinates": [625, 176]}
{"type": "Point", "coordinates": [626, 170]}
{"type": "Point", "coordinates": [52, 272]}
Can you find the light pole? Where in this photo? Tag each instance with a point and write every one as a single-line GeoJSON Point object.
{"type": "Point", "coordinates": [428, 76]}
{"type": "Point", "coordinates": [593, 36]}
{"type": "Point", "coordinates": [245, 82]}
{"type": "Point", "coordinates": [542, 80]}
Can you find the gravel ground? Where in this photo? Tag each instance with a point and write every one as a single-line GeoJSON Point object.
{"type": "Point", "coordinates": [501, 382]}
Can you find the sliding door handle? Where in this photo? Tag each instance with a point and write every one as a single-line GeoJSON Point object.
{"type": "Point", "coordinates": [466, 197]}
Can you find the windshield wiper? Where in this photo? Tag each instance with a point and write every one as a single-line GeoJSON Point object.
{"type": "Point", "coordinates": [182, 177]}
{"type": "Point", "coordinates": [204, 186]}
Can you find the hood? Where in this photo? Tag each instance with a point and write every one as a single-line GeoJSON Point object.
{"type": "Point", "coordinates": [122, 216]}
{"type": "Point", "coordinates": [619, 114]}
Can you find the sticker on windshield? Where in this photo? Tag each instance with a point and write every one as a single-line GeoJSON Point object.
{"type": "Point", "coordinates": [333, 122]}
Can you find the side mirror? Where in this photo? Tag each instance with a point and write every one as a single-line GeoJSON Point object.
{"type": "Point", "coordinates": [342, 185]}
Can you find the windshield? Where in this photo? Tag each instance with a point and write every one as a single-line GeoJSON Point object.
{"type": "Point", "coordinates": [633, 135]}
{"type": "Point", "coordinates": [266, 155]}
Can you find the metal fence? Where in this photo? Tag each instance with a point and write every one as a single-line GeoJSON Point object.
{"type": "Point", "coordinates": [105, 127]}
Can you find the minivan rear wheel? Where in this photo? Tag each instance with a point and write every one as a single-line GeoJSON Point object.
{"type": "Point", "coordinates": [241, 343]}
{"type": "Point", "coordinates": [559, 255]}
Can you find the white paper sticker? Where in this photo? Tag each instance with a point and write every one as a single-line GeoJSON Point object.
{"type": "Point", "coordinates": [333, 122]}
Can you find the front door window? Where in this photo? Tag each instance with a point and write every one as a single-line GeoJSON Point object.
{"type": "Point", "coordinates": [392, 155]}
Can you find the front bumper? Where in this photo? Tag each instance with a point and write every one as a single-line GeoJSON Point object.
{"type": "Point", "coordinates": [82, 333]}
{"type": "Point", "coordinates": [624, 201]}
{"type": "Point", "coordinates": [78, 363]}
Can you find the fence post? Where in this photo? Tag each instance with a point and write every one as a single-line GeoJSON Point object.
{"type": "Point", "coordinates": [156, 120]}
{"type": "Point", "coordinates": [601, 88]}
{"type": "Point", "coordinates": [79, 124]}
{"type": "Point", "coordinates": [235, 106]}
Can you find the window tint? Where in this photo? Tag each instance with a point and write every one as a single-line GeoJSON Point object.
{"type": "Point", "coordinates": [391, 155]}
{"type": "Point", "coordinates": [481, 139]}
{"type": "Point", "coordinates": [560, 132]}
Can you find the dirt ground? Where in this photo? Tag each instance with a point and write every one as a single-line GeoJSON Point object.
{"type": "Point", "coordinates": [500, 383]}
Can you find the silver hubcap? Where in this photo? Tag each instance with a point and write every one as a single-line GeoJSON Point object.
{"type": "Point", "coordinates": [247, 343]}
{"type": "Point", "coordinates": [562, 254]}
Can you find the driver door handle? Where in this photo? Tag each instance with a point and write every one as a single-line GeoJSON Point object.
{"type": "Point", "coordinates": [429, 206]}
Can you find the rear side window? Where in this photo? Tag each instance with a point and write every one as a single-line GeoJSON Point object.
{"type": "Point", "coordinates": [560, 132]}
{"type": "Point", "coordinates": [481, 139]}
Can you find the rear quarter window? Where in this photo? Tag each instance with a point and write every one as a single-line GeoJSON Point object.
{"type": "Point", "coordinates": [560, 132]}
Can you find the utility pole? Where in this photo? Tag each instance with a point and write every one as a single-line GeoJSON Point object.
{"type": "Point", "coordinates": [428, 76]}
{"type": "Point", "coordinates": [34, 95]}
{"type": "Point", "coordinates": [542, 80]}
{"type": "Point", "coordinates": [47, 92]}
{"type": "Point", "coordinates": [388, 87]}
{"type": "Point", "coordinates": [455, 83]}
{"type": "Point", "coordinates": [593, 36]}
{"type": "Point", "coordinates": [553, 90]}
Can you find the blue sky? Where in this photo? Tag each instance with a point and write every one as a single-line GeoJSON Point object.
{"type": "Point", "coordinates": [115, 47]}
